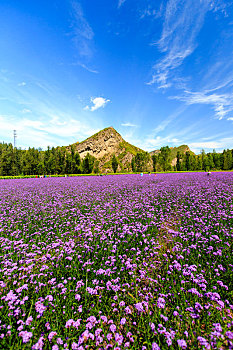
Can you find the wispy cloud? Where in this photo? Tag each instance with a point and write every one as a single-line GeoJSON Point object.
{"type": "Point", "coordinates": [183, 21]}
{"type": "Point", "coordinates": [22, 83]}
{"type": "Point", "coordinates": [51, 130]}
{"type": "Point", "coordinates": [43, 115]}
{"type": "Point", "coordinates": [218, 144]}
{"type": "Point", "coordinates": [97, 102]}
{"type": "Point", "coordinates": [129, 125]}
{"type": "Point", "coordinates": [26, 110]}
{"type": "Point", "coordinates": [84, 66]}
{"type": "Point", "coordinates": [221, 103]}
{"type": "Point", "coordinates": [149, 11]}
{"type": "Point", "coordinates": [120, 3]}
{"type": "Point", "coordinates": [83, 33]}
{"type": "Point", "coordinates": [167, 121]}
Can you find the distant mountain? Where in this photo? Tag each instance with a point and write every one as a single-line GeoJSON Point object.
{"type": "Point", "coordinates": [103, 145]}
{"type": "Point", "coordinates": [182, 149]}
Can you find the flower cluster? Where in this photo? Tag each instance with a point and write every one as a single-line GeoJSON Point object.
{"type": "Point", "coordinates": [117, 262]}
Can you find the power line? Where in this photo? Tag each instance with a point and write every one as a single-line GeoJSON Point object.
{"type": "Point", "coordinates": [15, 136]}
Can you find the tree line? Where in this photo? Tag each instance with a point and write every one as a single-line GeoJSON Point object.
{"type": "Point", "coordinates": [59, 160]}
{"type": "Point", "coordinates": [187, 161]}
{"type": "Point", "coordinates": [62, 160]}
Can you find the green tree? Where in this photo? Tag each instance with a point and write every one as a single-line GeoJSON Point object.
{"type": "Point", "coordinates": [178, 161]}
{"type": "Point", "coordinates": [199, 162]}
{"type": "Point", "coordinates": [224, 162]}
{"type": "Point", "coordinates": [188, 161]}
{"type": "Point", "coordinates": [133, 165]}
{"type": "Point", "coordinates": [155, 160]}
{"type": "Point", "coordinates": [77, 161]}
{"type": "Point", "coordinates": [88, 164]}
{"type": "Point", "coordinates": [96, 169]}
{"type": "Point", "coordinates": [114, 163]}
{"type": "Point", "coordinates": [141, 161]}
{"type": "Point", "coordinates": [216, 159]}
{"type": "Point", "coordinates": [229, 159]}
{"type": "Point", "coordinates": [210, 160]}
{"type": "Point", "coordinates": [193, 162]}
{"type": "Point", "coordinates": [164, 155]}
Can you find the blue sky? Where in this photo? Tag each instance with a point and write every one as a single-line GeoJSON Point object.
{"type": "Point", "coordinates": [160, 72]}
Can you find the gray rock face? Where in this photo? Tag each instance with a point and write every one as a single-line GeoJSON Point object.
{"type": "Point", "coordinates": [106, 143]}
{"type": "Point", "coordinates": [102, 144]}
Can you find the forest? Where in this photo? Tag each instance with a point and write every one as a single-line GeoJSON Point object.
{"type": "Point", "coordinates": [61, 160]}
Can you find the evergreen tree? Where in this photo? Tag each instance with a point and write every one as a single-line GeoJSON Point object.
{"type": "Point", "coordinates": [133, 165]}
{"type": "Point", "coordinates": [229, 159]}
{"type": "Point", "coordinates": [224, 160]}
{"type": "Point", "coordinates": [77, 161]}
{"type": "Point", "coordinates": [199, 162]}
{"type": "Point", "coordinates": [216, 160]}
{"type": "Point", "coordinates": [96, 169]}
{"type": "Point", "coordinates": [188, 161]}
{"type": "Point", "coordinates": [178, 161]}
{"type": "Point", "coordinates": [155, 160]}
{"type": "Point", "coordinates": [164, 154]}
{"type": "Point", "coordinates": [210, 161]}
{"type": "Point", "coordinates": [88, 164]}
{"type": "Point", "coordinates": [141, 161]}
{"type": "Point", "coordinates": [114, 163]}
{"type": "Point", "coordinates": [193, 162]}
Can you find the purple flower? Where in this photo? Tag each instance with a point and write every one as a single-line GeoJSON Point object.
{"type": "Point", "coordinates": [112, 328]}
{"type": "Point", "coordinates": [182, 343]}
{"type": "Point", "coordinates": [139, 307]}
{"type": "Point", "coordinates": [39, 344]}
{"type": "Point", "coordinates": [128, 310]}
{"type": "Point", "coordinates": [29, 321]}
{"type": "Point", "coordinates": [109, 336]}
{"type": "Point", "coordinates": [26, 336]}
{"type": "Point", "coordinates": [77, 297]}
{"type": "Point", "coordinates": [51, 335]}
{"type": "Point", "coordinates": [59, 341]}
{"type": "Point", "coordinates": [161, 303]}
{"type": "Point", "coordinates": [123, 321]}
{"type": "Point", "coordinates": [155, 346]}
{"type": "Point", "coordinates": [80, 308]}
{"type": "Point", "coordinates": [229, 334]}
{"type": "Point", "coordinates": [203, 342]}
{"type": "Point", "coordinates": [69, 323]}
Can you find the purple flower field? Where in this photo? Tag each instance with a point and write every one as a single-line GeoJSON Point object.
{"type": "Point", "coordinates": [117, 262]}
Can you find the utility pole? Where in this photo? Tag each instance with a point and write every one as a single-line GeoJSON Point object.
{"type": "Point", "coordinates": [15, 135]}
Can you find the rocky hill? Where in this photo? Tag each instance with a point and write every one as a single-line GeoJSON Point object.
{"type": "Point", "coordinates": [103, 145]}
{"type": "Point", "coordinates": [108, 141]}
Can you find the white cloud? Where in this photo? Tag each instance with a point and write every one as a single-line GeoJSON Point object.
{"type": "Point", "coordinates": [220, 144]}
{"type": "Point", "coordinates": [183, 21]}
{"type": "Point", "coordinates": [83, 33]}
{"type": "Point", "coordinates": [97, 102]}
{"type": "Point", "coordinates": [129, 125]}
{"type": "Point", "coordinates": [22, 83]}
{"type": "Point", "coordinates": [26, 110]}
{"type": "Point", "coordinates": [85, 67]}
{"type": "Point", "coordinates": [50, 131]}
{"type": "Point", "coordinates": [149, 11]}
{"type": "Point", "coordinates": [53, 119]}
{"type": "Point", "coordinates": [221, 103]}
{"type": "Point", "coordinates": [120, 3]}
